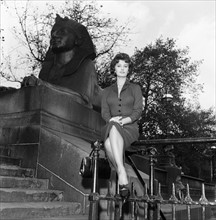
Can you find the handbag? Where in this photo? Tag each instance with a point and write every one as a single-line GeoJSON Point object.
{"type": "Point", "coordinates": [86, 167]}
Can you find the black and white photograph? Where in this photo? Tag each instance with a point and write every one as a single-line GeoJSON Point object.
{"type": "Point", "coordinates": [107, 110]}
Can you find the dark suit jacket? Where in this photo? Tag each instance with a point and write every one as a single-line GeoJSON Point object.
{"type": "Point", "coordinates": [128, 104]}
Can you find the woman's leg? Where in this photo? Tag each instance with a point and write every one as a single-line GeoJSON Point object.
{"type": "Point", "coordinates": [117, 151]}
{"type": "Point", "coordinates": [110, 153]}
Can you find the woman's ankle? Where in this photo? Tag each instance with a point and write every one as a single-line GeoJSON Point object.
{"type": "Point", "coordinates": [122, 177]}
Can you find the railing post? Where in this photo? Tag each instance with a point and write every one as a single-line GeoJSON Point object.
{"type": "Point", "coordinates": [109, 201]}
{"type": "Point", "coordinates": [203, 202]}
{"type": "Point", "coordinates": [173, 200]}
{"type": "Point", "coordinates": [159, 199]}
{"type": "Point", "coordinates": [152, 208]}
{"type": "Point", "coordinates": [118, 203]}
{"type": "Point", "coordinates": [94, 196]}
{"type": "Point", "coordinates": [133, 204]}
{"type": "Point", "coordinates": [151, 175]}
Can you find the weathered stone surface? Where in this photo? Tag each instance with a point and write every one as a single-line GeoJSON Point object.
{"type": "Point", "coordinates": [71, 217]}
{"type": "Point", "coordinates": [4, 151]}
{"type": "Point", "coordinates": [19, 182]}
{"type": "Point", "coordinates": [23, 112]}
{"type": "Point", "coordinates": [30, 195]}
{"type": "Point", "coordinates": [12, 170]}
{"type": "Point", "coordinates": [38, 209]}
{"type": "Point", "coordinates": [51, 128]}
{"type": "Point", "coordinates": [10, 160]}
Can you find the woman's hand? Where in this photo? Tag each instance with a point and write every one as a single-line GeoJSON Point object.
{"type": "Point", "coordinates": [121, 121]}
{"type": "Point", "coordinates": [117, 119]}
{"type": "Point", "coordinates": [125, 121]}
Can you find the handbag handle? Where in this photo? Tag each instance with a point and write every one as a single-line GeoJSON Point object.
{"type": "Point", "coordinates": [90, 155]}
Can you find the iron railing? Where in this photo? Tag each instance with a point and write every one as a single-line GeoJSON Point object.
{"type": "Point", "coordinates": [152, 202]}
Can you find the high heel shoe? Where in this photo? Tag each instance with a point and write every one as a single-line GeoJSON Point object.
{"type": "Point", "coordinates": [124, 191]}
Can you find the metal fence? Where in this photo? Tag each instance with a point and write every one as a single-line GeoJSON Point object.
{"type": "Point", "coordinates": [150, 203]}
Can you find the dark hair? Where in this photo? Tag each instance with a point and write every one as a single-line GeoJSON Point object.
{"type": "Point", "coordinates": [121, 56]}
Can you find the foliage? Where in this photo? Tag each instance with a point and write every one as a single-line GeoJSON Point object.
{"type": "Point", "coordinates": [161, 68]}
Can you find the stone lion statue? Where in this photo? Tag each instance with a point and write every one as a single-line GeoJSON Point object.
{"type": "Point", "coordinates": [69, 61]}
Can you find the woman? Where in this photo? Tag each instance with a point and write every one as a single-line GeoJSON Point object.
{"type": "Point", "coordinates": [121, 108]}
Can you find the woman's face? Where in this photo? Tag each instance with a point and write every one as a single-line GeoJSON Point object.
{"type": "Point", "coordinates": [121, 68]}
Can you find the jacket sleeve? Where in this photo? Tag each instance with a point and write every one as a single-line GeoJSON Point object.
{"type": "Point", "coordinates": [105, 111]}
{"type": "Point", "coordinates": [138, 104]}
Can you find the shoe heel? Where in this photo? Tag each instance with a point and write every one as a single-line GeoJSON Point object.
{"type": "Point", "coordinates": [124, 191]}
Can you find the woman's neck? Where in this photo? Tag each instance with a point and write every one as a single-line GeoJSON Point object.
{"type": "Point", "coordinates": [121, 80]}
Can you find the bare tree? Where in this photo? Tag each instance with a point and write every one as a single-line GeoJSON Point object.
{"type": "Point", "coordinates": [35, 27]}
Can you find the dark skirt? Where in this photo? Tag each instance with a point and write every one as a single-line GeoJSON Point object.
{"type": "Point", "coordinates": [129, 132]}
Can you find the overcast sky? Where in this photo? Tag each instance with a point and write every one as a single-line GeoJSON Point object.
{"type": "Point", "coordinates": [190, 23]}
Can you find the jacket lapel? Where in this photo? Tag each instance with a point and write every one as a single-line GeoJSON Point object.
{"type": "Point", "coordinates": [115, 88]}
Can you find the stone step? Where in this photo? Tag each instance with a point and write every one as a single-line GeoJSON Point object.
{"type": "Point", "coordinates": [39, 210]}
{"type": "Point", "coordinates": [10, 160]}
{"type": "Point", "coordinates": [71, 217]}
{"type": "Point", "coordinates": [13, 170]}
{"type": "Point", "coordinates": [29, 195]}
{"type": "Point", "coordinates": [20, 182]}
{"type": "Point", "coordinates": [4, 151]}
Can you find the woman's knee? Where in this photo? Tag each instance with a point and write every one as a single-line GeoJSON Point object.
{"type": "Point", "coordinates": [107, 144]}
{"type": "Point", "coordinates": [114, 134]}
{"type": "Point", "coordinates": [113, 129]}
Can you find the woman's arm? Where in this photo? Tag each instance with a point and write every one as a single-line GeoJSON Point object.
{"type": "Point", "coordinates": [138, 104]}
{"type": "Point", "coordinates": [105, 111]}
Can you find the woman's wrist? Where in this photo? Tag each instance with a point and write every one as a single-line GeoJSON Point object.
{"type": "Point", "coordinates": [126, 120]}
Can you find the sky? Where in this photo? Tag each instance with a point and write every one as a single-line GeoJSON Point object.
{"type": "Point", "coordinates": [191, 23]}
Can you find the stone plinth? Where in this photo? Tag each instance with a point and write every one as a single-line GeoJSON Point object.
{"type": "Point", "coordinates": [24, 110]}
{"type": "Point", "coordinates": [51, 129]}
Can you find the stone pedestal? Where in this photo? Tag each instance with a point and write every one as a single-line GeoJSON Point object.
{"type": "Point", "coordinates": [47, 106]}
{"type": "Point", "coordinates": [51, 129]}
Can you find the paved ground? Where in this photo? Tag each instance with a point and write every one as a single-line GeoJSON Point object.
{"type": "Point", "coordinates": [195, 212]}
